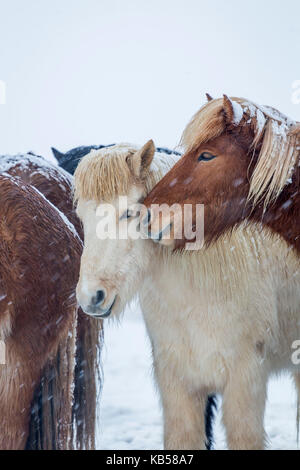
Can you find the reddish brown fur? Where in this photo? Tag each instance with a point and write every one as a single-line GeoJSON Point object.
{"type": "Point", "coordinates": [38, 293]}
{"type": "Point", "coordinates": [223, 185]}
{"type": "Point", "coordinates": [57, 188]}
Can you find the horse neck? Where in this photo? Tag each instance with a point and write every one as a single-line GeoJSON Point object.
{"type": "Point", "coordinates": [231, 257]}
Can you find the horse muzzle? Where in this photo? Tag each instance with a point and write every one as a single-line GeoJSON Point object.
{"type": "Point", "coordinates": [96, 311]}
{"type": "Point", "coordinates": [98, 303]}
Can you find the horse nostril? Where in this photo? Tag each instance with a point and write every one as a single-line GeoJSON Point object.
{"type": "Point", "coordinates": [98, 298]}
{"type": "Point", "coordinates": [147, 219]}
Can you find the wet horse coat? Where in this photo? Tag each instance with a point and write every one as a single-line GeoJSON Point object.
{"type": "Point", "coordinates": [54, 184]}
{"type": "Point", "coordinates": [38, 308]}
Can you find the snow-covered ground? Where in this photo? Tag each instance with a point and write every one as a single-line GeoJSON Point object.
{"type": "Point", "coordinates": [130, 415]}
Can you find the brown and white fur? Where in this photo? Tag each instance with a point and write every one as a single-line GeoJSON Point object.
{"type": "Point", "coordinates": [220, 320]}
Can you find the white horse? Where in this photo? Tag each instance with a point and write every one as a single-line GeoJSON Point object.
{"type": "Point", "coordinates": [220, 320]}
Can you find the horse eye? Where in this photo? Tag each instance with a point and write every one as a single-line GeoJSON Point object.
{"type": "Point", "coordinates": [206, 157]}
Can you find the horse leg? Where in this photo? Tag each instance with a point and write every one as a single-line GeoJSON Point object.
{"type": "Point", "coordinates": [244, 402]}
{"type": "Point", "coordinates": [184, 413]}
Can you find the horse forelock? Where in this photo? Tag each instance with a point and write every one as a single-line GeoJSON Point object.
{"type": "Point", "coordinates": [207, 124]}
{"type": "Point", "coordinates": [105, 174]}
{"type": "Point", "coordinates": [278, 136]}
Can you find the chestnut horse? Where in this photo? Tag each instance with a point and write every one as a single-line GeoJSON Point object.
{"type": "Point", "coordinates": [212, 322]}
{"type": "Point", "coordinates": [52, 400]}
{"type": "Point", "coordinates": [242, 162]}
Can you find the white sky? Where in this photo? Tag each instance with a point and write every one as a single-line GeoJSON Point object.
{"type": "Point", "coordinates": [104, 71]}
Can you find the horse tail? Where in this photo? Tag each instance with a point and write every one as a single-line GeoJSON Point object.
{"type": "Point", "coordinates": [297, 383]}
{"type": "Point", "coordinates": [63, 411]}
{"type": "Point", "coordinates": [50, 425]}
{"type": "Point", "coordinates": [87, 381]}
{"type": "Point", "coordinates": [211, 408]}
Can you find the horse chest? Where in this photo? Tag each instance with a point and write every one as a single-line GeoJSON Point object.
{"type": "Point", "coordinates": [184, 338]}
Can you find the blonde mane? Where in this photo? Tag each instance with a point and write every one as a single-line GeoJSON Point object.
{"type": "Point", "coordinates": [280, 142]}
{"type": "Point", "coordinates": [105, 174]}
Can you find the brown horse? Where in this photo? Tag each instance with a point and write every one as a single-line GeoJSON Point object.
{"type": "Point", "coordinates": [241, 162]}
{"type": "Point", "coordinates": [51, 405]}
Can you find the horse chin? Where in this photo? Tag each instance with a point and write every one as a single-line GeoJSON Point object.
{"type": "Point", "coordinates": [98, 313]}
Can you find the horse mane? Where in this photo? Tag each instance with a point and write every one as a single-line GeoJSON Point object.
{"type": "Point", "coordinates": [104, 174]}
{"type": "Point", "coordinates": [278, 135]}
{"type": "Point", "coordinates": [207, 124]}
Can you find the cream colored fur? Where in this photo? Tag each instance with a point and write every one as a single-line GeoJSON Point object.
{"type": "Point", "coordinates": [220, 320]}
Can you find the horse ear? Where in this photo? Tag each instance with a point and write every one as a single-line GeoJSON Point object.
{"type": "Point", "coordinates": [209, 97]}
{"type": "Point", "coordinates": [142, 159]}
{"type": "Point", "coordinates": [58, 155]}
{"type": "Point", "coordinates": [228, 109]}
{"type": "Point", "coordinates": [233, 112]}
